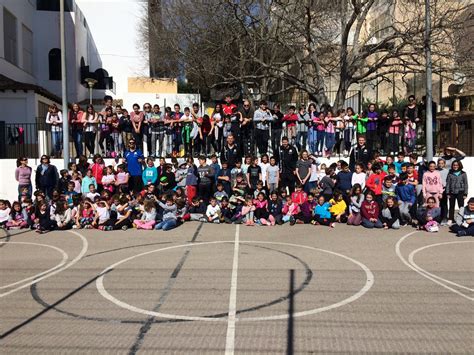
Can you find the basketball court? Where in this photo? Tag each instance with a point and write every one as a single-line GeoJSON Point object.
{"type": "Point", "coordinates": [205, 288]}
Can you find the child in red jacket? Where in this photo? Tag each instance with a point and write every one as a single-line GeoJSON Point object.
{"type": "Point", "coordinates": [370, 212]}
{"type": "Point", "coordinates": [375, 182]}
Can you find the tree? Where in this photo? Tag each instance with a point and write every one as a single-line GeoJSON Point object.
{"type": "Point", "coordinates": [282, 45]}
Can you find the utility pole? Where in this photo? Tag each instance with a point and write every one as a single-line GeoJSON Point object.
{"type": "Point", "coordinates": [429, 84]}
{"type": "Point", "coordinates": [63, 86]}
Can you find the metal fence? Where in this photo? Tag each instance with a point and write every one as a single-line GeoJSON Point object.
{"type": "Point", "coordinates": [24, 139]}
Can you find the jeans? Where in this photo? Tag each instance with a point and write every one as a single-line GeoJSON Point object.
{"type": "Point", "coordinates": [301, 136]}
{"type": "Point", "coordinates": [157, 147]}
{"type": "Point", "coordinates": [166, 225]}
{"type": "Point", "coordinates": [57, 140]}
{"type": "Point", "coordinates": [368, 224]}
{"type": "Point", "coordinates": [320, 135]}
{"type": "Point", "coordinates": [330, 141]}
{"type": "Point", "coordinates": [77, 137]}
{"type": "Point", "coordinates": [312, 140]}
{"type": "Point", "coordinates": [405, 208]}
{"type": "Point", "coordinates": [117, 139]}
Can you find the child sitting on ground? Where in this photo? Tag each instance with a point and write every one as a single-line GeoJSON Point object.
{"type": "Point", "coordinates": [322, 214]}
{"type": "Point", "coordinates": [213, 211]}
{"type": "Point", "coordinates": [248, 212]}
{"type": "Point", "coordinates": [18, 217]}
{"type": "Point", "coordinates": [148, 218]}
{"type": "Point", "coordinates": [429, 216]}
{"type": "Point", "coordinates": [338, 208]}
{"type": "Point", "coordinates": [390, 216]}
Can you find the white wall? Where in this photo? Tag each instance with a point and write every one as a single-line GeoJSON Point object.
{"type": "Point", "coordinates": [18, 107]}
{"type": "Point", "coordinates": [117, 42]}
{"type": "Point", "coordinates": [23, 11]}
{"type": "Point", "coordinates": [8, 184]}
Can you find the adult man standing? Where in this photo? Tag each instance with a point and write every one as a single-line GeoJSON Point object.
{"type": "Point", "coordinates": [230, 152]}
{"type": "Point", "coordinates": [134, 159]}
{"type": "Point", "coordinates": [359, 154]}
{"type": "Point", "coordinates": [262, 119]}
{"type": "Point", "coordinates": [246, 128]}
{"type": "Point", "coordinates": [288, 156]}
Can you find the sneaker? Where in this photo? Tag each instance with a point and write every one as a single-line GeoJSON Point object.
{"type": "Point", "coordinates": [124, 228]}
{"type": "Point", "coordinates": [450, 223]}
{"type": "Point", "coordinates": [332, 225]}
{"type": "Point", "coordinates": [444, 223]}
{"type": "Point", "coordinates": [101, 228]}
{"type": "Point", "coordinates": [108, 228]}
{"type": "Point", "coordinates": [292, 221]}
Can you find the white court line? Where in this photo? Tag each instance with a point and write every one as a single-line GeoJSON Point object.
{"type": "Point", "coordinates": [65, 257]}
{"type": "Point", "coordinates": [399, 254]}
{"type": "Point", "coordinates": [85, 246]}
{"type": "Point", "coordinates": [230, 338]}
{"type": "Point", "coordinates": [104, 293]}
{"type": "Point", "coordinates": [411, 258]}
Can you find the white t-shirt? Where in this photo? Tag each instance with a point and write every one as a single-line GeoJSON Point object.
{"type": "Point", "coordinates": [103, 213]}
{"type": "Point", "coordinates": [4, 215]}
{"type": "Point", "coordinates": [359, 179]}
{"type": "Point", "coordinates": [264, 167]}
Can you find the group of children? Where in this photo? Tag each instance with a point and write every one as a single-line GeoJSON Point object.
{"type": "Point", "coordinates": [384, 194]}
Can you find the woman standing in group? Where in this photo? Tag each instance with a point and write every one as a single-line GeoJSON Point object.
{"type": "Point", "coordinates": [217, 122]}
{"type": "Point", "coordinates": [137, 117]}
{"type": "Point", "coordinates": [46, 177]}
{"type": "Point", "coordinates": [23, 176]}
{"type": "Point", "coordinates": [55, 119]}
{"type": "Point", "coordinates": [90, 129]}
{"type": "Point", "coordinates": [349, 136]}
{"type": "Point", "coordinates": [76, 119]}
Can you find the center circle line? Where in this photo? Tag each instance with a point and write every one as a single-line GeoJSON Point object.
{"type": "Point", "coordinates": [104, 293]}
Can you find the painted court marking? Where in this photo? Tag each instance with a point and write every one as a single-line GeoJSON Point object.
{"type": "Point", "coordinates": [368, 284]}
{"type": "Point", "coordinates": [62, 262]}
{"type": "Point", "coordinates": [85, 246]}
{"type": "Point", "coordinates": [411, 258]}
{"type": "Point", "coordinates": [399, 254]}
{"type": "Point", "coordinates": [231, 318]}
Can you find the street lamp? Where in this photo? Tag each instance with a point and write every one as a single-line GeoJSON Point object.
{"type": "Point", "coordinates": [90, 83]}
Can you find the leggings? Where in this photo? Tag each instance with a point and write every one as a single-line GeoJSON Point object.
{"type": "Point", "coordinates": [262, 140]}
{"type": "Point", "coordinates": [348, 137]}
{"type": "Point", "coordinates": [275, 139]}
{"type": "Point", "coordinates": [459, 197]}
{"type": "Point", "coordinates": [322, 221]}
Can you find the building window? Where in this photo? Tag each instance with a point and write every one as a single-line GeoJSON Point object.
{"type": "Point", "coordinates": [27, 49]}
{"type": "Point", "coordinates": [54, 58]}
{"type": "Point", "coordinates": [10, 37]}
{"type": "Point", "coordinates": [53, 5]}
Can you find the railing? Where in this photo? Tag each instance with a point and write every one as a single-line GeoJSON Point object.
{"type": "Point", "coordinates": [24, 139]}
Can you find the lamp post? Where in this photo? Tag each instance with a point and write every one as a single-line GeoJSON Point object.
{"type": "Point", "coordinates": [90, 83]}
{"type": "Point", "coordinates": [429, 84]}
{"type": "Point", "coordinates": [63, 85]}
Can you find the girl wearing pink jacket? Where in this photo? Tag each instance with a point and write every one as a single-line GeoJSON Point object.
{"type": "Point", "coordinates": [432, 183]}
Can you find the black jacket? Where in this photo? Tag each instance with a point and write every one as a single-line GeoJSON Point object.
{"type": "Point", "coordinates": [48, 179]}
{"type": "Point", "coordinates": [288, 158]}
{"type": "Point", "coordinates": [360, 154]}
{"type": "Point", "coordinates": [231, 155]}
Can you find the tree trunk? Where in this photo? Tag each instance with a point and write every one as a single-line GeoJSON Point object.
{"type": "Point", "coordinates": [340, 100]}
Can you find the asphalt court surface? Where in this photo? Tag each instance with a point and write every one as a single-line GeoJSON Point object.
{"type": "Point", "coordinates": [225, 289]}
